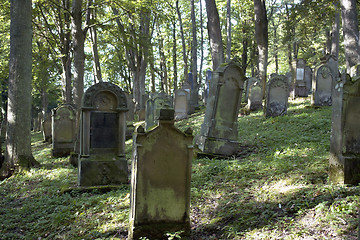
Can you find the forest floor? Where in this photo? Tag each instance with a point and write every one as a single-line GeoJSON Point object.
{"type": "Point", "coordinates": [275, 188]}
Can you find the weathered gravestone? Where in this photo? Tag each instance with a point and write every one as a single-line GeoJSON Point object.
{"type": "Point", "coordinates": [131, 106]}
{"type": "Point", "coordinates": [160, 181]}
{"type": "Point", "coordinates": [181, 104]}
{"type": "Point", "coordinates": [300, 84]}
{"type": "Point", "coordinates": [219, 134]}
{"type": "Point", "coordinates": [46, 128]}
{"type": "Point", "coordinates": [345, 134]}
{"type": "Point", "coordinates": [255, 96]}
{"type": "Point", "coordinates": [276, 101]}
{"type": "Point", "coordinates": [63, 130]}
{"type": "Point", "coordinates": [102, 136]}
{"type": "Point", "coordinates": [249, 82]}
{"type": "Point", "coordinates": [308, 76]}
{"type": "Point", "coordinates": [156, 102]}
{"type": "Point", "coordinates": [322, 86]}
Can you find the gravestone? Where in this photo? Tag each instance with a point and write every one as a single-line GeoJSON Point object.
{"type": "Point", "coordinates": [156, 102]}
{"type": "Point", "coordinates": [255, 96]}
{"type": "Point", "coordinates": [277, 93]}
{"type": "Point", "coordinates": [46, 128]}
{"type": "Point", "coordinates": [322, 86]}
{"type": "Point", "coordinates": [249, 82]}
{"type": "Point", "coordinates": [345, 135]}
{"type": "Point", "coordinates": [160, 181]}
{"type": "Point", "coordinates": [63, 130]}
{"type": "Point", "coordinates": [300, 84]}
{"type": "Point", "coordinates": [181, 104]}
{"type": "Point", "coordinates": [102, 136]}
{"type": "Point", "coordinates": [131, 106]}
{"type": "Point", "coordinates": [308, 79]}
{"type": "Point", "coordinates": [218, 134]}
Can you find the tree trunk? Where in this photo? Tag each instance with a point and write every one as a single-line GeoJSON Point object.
{"type": "Point", "coordinates": [335, 34]}
{"type": "Point", "coordinates": [201, 45]}
{"type": "Point", "coordinates": [261, 35]}
{"type": "Point", "coordinates": [194, 94]}
{"type": "Point", "coordinates": [95, 52]}
{"type": "Point", "coordinates": [351, 33]}
{"type": "Point", "coordinates": [175, 57]}
{"type": "Point", "coordinates": [183, 42]}
{"type": "Point", "coordinates": [18, 134]}
{"type": "Point", "coordinates": [78, 35]}
{"type": "Point", "coordinates": [214, 30]}
{"type": "Point", "coordinates": [228, 30]}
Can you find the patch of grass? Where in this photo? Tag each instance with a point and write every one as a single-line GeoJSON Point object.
{"type": "Point", "coordinates": [279, 190]}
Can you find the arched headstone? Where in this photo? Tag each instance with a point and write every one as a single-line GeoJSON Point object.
{"type": "Point", "coordinates": [277, 94]}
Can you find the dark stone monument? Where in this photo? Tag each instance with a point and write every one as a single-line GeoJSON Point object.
{"type": "Point", "coordinates": [102, 136]}
{"type": "Point", "coordinates": [63, 130]}
{"type": "Point", "coordinates": [276, 101]}
{"type": "Point", "coordinates": [160, 181]}
{"type": "Point", "coordinates": [322, 86]}
{"type": "Point", "coordinates": [218, 134]}
{"type": "Point", "coordinates": [345, 134]}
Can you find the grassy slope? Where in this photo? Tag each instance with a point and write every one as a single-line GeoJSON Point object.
{"type": "Point", "coordinates": [276, 188]}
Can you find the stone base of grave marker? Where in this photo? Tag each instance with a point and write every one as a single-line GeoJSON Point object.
{"type": "Point", "coordinates": [216, 146]}
{"type": "Point", "coordinates": [98, 170]}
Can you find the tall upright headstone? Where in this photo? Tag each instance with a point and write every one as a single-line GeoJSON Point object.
{"type": "Point", "coordinates": [249, 82]}
{"type": "Point", "coordinates": [345, 135]}
{"type": "Point", "coordinates": [218, 134]}
{"type": "Point", "coordinates": [46, 127]}
{"type": "Point", "coordinates": [181, 104]}
{"type": "Point", "coordinates": [322, 86]}
{"type": "Point", "coordinates": [277, 93]}
{"type": "Point", "coordinates": [300, 84]}
{"type": "Point", "coordinates": [63, 130]}
{"type": "Point", "coordinates": [102, 136]}
{"type": "Point", "coordinates": [255, 96]}
{"type": "Point", "coordinates": [156, 102]}
{"type": "Point", "coordinates": [160, 181]}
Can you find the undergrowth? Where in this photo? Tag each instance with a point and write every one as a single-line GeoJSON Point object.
{"type": "Point", "coordinates": [277, 189]}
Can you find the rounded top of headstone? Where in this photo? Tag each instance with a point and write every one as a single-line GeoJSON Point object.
{"type": "Point", "coordinates": [105, 95]}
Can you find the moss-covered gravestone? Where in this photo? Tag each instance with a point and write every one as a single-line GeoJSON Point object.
{"type": "Point", "coordinates": [102, 136]}
{"type": "Point", "coordinates": [345, 132]}
{"type": "Point", "coordinates": [255, 96]}
{"type": "Point", "coordinates": [181, 104]}
{"type": "Point", "coordinates": [46, 128]}
{"type": "Point", "coordinates": [322, 86]}
{"type": "Point", "coordinates": [218, 134]}
{"type": "Point", "coordinates": [63, 130]}
{"type": "Point", "coordinates": [277, 93]}
{"type": "Point", "coordinates": [156, 102]}
{"type": "Point", "coordinates": [160, 181]}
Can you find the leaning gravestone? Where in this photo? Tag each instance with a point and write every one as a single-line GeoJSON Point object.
{"type": "Point", "coordinates": [277, 94]}
{"type": "Point", "coordinates": [160, 181]}
{"type": "Point", "coordinates": [156, 102]}
{"type": "Point", "coordinates": [102, 136]}
{"type": "Point", "coordinates": [46, 128]}
{"type": "Point", "coordinates": [322, 86]}
{"type": "Point", "coordinates": [345, 134]}
{"type": "Point", "coordinates": [181, 104]}
{"type": "Point", "coordinates": [218, 134]}
{"type": "Point", "coordinates": [63, 130]}
{"type": "Point", "coordinates": [255, 96]}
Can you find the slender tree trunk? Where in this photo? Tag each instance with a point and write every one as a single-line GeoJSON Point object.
{"type": "Point", "coordinates": [183, 42]}
{"type": "Point", "coordinates": [175, 57]}
{"type": "Point", "coordinates": [145, 29]}
{"type": "Point", "coordinates": [350, 32]}
{"type": "Point", "coordinates": [214, 30]}
{"type": "Point", "coordinates": [244, 55]}
{"type": "Point", "coordinates": [194, 95]}
{"type": "Point", "coordinates": [201, 45]}
{"type": "Point", "coordinates": [335, 34]}
{"type": "Point", "coordinates": [95, 52]}
{"type": "Point", "coordinates": [228, 27]}
{"type": "Point", "coordinates": [18, 134]}
{"type": "Point", "coordinates": [261, 35]}
{"type": "Point", "coordinates": [79, 53]}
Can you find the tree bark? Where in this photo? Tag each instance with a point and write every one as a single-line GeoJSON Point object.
{"type": "Point", "coordinates": [175, 57]}
{"type": "Point", "coordinates": [214, 31]}
{"type": "Point", "coordinates": [228, 30]}
{"type": "Point", "coordinates": [94, 50]}
{"type": "Point", "coordinates": [261, 35]}
{"type": "Point", "coordinates": [183, 42]}
{"type": "Point", "coordinates": [350, 32]}
{"type": "Point", "coordinates": [18, 134]}
{"type": "Point", "coordinates": [335, 34]}
{"type": "Point", "coordinates": [194, 94]}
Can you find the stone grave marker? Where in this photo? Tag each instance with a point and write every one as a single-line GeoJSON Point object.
{"type": "Point", "coordinates": [322, 86]}
{"type": "Point", "coordinates": [218, 134]}
{"type": "Point", "coordinates": [255, 96]}
{"type": "Point", "coordinates": [156, 102]}
{"type": "Point", "coordinates": [102, 136]}
{"type": "Point", "coordinates": [63, 130]}
{"type": "Point", "coordinates": [249, 82]}
{"type": "Point", "coordinates": [46, 128]}
{"type": "Point", "coordinates": [308, 76]}
{"type": "Point", "coordinates": [300, 84]}
{"type": "Point", "coordinates": [181, 104]}
{"type": "Point", "coordinates": [160, 181]}
{"type": "Point", "coordinates": [345, 135]}
{"type": "Point", "coordinates": [277, 94]}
